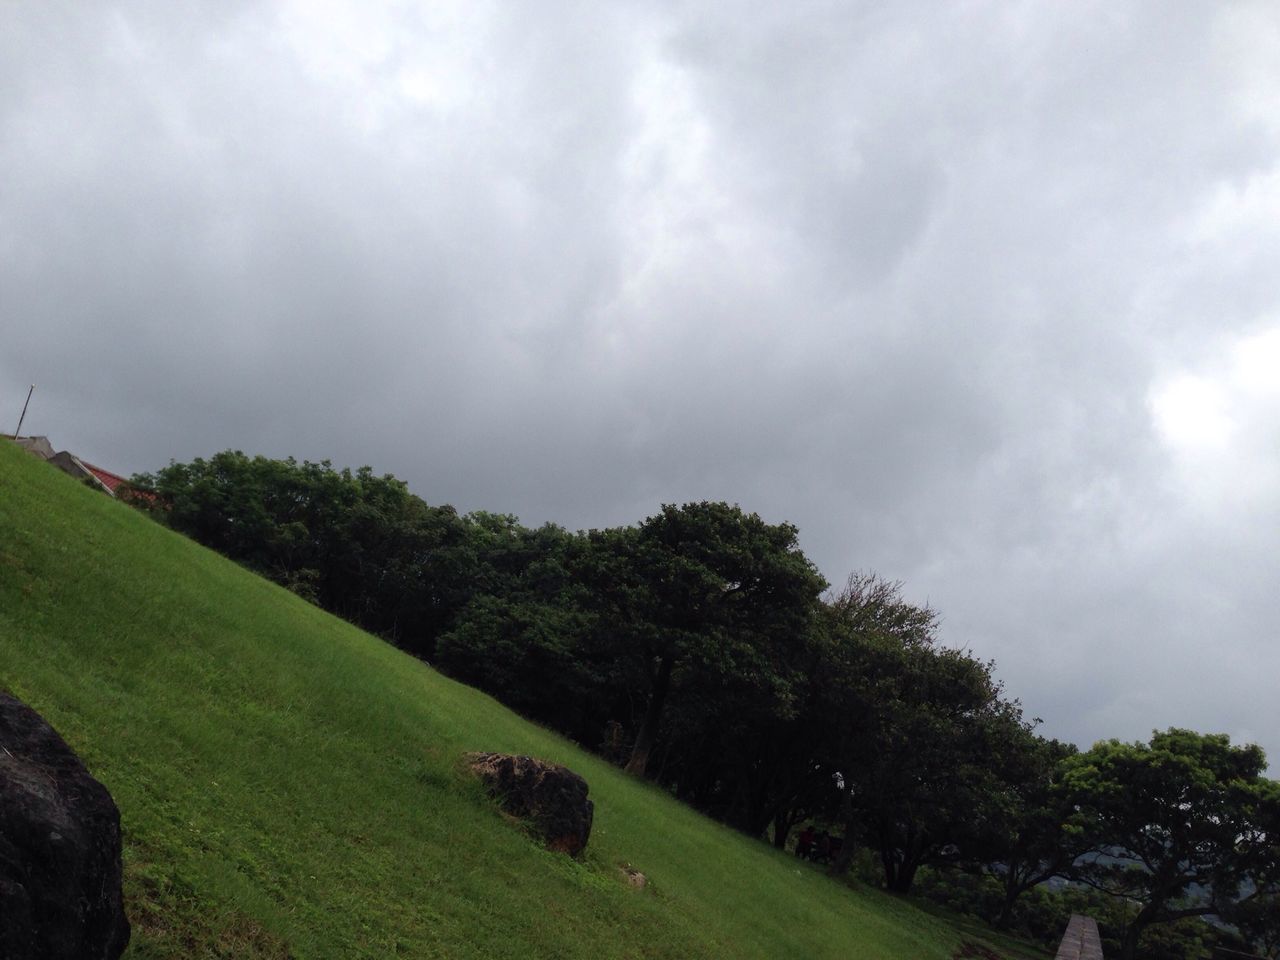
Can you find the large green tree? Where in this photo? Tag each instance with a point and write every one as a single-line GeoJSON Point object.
{"type": "Point", "coordinates": [716, 591]}
{"type": "Point", "coordinates": [526, 636]}
{"type": "Point", "coordinates": [1187, 821]}
{"type": "Point", "coordinates": [1034, 832]}
{"type": "Point", "coordinates": [358, 544]}
{"type": "Point", "coordinates": [918, 733]}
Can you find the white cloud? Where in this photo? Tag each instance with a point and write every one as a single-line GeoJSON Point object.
{"type": "Point", "coordinates": [1221, 425]}
{"type": "Point", "coordinates": [1191, 413]}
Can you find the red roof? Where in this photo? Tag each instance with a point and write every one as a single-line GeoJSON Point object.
{"type": "Point", "coordinates": [109, 479]}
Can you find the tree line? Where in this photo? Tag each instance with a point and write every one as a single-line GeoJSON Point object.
{"type": "Point", "coordinates": [701, 649]}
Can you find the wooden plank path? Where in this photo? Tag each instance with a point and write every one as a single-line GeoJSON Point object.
{"type": "Point", "coordinates": [1081, 941]}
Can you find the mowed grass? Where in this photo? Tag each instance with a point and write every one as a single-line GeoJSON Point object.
{"type": "Point", "coordinates": [291, 786]}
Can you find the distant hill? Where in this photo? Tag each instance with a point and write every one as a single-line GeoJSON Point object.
{"type": "Point", "coordinates": [290, 786]}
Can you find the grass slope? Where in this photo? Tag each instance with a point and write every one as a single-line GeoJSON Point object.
{"type": "Point", "coordinates": [289, 785]}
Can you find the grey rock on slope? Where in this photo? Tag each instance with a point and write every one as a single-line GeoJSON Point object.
{"type": "Point", "coordinates": [60, 867]}
{"type": "Point", "coordinates": [551, 797]}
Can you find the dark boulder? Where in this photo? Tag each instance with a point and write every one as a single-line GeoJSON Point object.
{"type": "Point", "coordinates": [551, 797]}
{"type": "Point", "coordinates": [59, 848]}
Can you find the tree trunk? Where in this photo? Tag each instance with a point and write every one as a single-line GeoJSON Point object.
{"type": "Point", "coordinates": [653, 716]}
{"type": "Point", "coordinates": [906, 875]}
{"type": "Point", "coordinates": [781, 828]}
{"type": "Point", "coordinates": [1012, 890]}
{"type": "Point", "coordinates": [890, 866]}
{"type": "Point", "coordinates": [738, 813]}
{"type": "Point", "coordinates": [1133, 932]}
{"type": "Point", "coordinates": [840, 863]}
{"type": "Point", "coordinates": [1129, 944]}
{"type": "Point", "coordinates": [1005, 920]}
{"type": "Point", "coordinates": [900, 870]}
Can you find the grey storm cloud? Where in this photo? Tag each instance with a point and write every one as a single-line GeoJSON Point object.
{"type": "Point", "coordinates": [985, 297]}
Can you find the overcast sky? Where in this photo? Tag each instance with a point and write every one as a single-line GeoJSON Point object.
{"type": "Point", "coordinates": [984, 297]}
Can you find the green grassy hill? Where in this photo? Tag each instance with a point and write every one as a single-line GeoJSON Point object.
{"type": "Point", "coordinates": [290, 786]}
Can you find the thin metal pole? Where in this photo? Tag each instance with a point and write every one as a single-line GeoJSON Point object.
{"type": "Point", "coordinates": [17, 432]}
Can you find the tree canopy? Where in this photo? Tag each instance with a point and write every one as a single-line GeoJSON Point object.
{"type": "Point", "coordinates": [1186, 824]}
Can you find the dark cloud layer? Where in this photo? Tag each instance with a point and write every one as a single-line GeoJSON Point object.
{"type": "Point", "coordinates": [985, 297]}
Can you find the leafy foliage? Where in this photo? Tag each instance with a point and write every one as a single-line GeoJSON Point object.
{"type": "Point", "coordinates": [357, 544]}
{"type": "Point", "coordinates": [919, 733]}
{"type": "Point", "coordinates": [1187, 823]}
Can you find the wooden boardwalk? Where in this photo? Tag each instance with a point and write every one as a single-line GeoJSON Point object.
{"type": "Point", "coordinates": [1081, 941]}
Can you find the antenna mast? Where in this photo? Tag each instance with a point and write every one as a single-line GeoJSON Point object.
{"type": "Point", "coordinates": [24, 412]}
